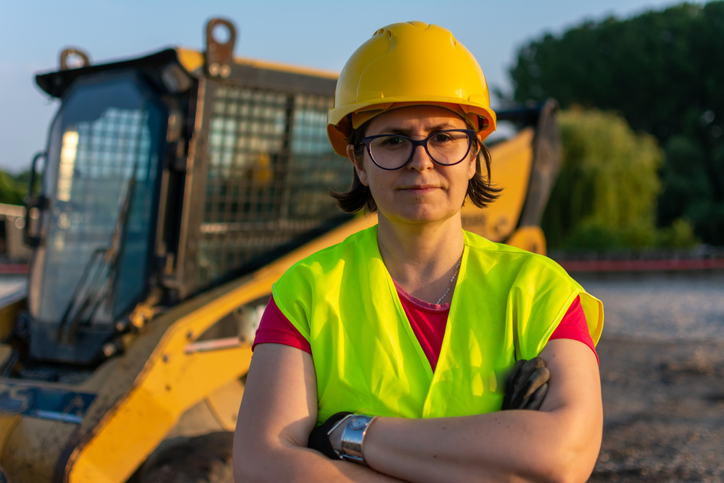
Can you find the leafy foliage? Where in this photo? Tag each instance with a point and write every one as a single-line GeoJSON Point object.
{"type": "Point", "coordinates": [13, 188]}
{"type": "Point", "coordinates": [663, 72]}
{"type": "Point", "coordinates": [679, 235]}
{"type": "Point", "coordinates": [605, 196]}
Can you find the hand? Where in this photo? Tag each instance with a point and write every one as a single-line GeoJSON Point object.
{"type": "Point", "coordinates": [527, 385]}
{"type": "Point", "coordinates": [319, 440]}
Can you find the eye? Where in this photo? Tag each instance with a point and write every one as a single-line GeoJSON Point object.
{"type": "Point", "coordinates": [442, 138]}
{"type": "Point", "coordinates": [392, 141]}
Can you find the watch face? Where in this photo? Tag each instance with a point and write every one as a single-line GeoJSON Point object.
{"type": "Point", "coordinates": [357, 423]}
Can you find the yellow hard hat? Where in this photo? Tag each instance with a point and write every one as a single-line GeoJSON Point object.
{"type": "Point", "coordinates": [408, 63]}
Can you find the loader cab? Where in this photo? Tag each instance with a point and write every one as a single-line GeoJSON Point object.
{"type": "Point", "coordinates": [104, 167]}
{"type": "Point", "coordinates": [97, 207]}
{"type": "Point", "coordinates": [165, 176]}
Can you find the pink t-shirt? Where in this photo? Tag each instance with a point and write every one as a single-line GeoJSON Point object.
{"type": "Point", "coordinates": [427, 321]}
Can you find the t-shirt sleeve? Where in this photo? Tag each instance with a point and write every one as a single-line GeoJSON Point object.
{"type": "Point", "coordinates": [275, 328]}
{"type": "Point", "coordinates": [574, 326]}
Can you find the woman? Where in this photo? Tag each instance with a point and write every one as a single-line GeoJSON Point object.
{"type": "Point", "coordinates": [415, 324]}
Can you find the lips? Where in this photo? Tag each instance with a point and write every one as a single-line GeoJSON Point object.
{"type": "Point", "coordinates": [422, 188]}
{"type": "Point", "coordinates": [418, 187]}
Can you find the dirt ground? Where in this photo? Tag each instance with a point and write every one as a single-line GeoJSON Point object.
{"type": "Point", "coordinates": [663, 410]}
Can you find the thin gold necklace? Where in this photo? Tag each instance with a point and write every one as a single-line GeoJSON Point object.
{"type": "Point", "coordinates": [449, 285]}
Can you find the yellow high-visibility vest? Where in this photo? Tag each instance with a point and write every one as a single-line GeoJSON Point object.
{"type": "Point", "coordinates": [507, 303]}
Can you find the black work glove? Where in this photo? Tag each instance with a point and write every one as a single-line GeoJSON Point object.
{"type": "Point", "coordinates": [527, 385]}
{"type": "Point", "coordinates": [318, 439]}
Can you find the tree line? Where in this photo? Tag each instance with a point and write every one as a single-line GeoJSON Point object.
{"type": "Point", "coordinates": [13, 187]}
{"type": "Point", "coordinates": [662, 73]}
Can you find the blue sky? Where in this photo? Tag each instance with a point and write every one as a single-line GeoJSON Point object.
{"type": "Point", "coordinates": [315, 33]}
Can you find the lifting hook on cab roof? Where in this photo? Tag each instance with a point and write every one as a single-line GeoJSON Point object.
{"type": "Point", "coordinates": [71, 53]}
{"type": "Point", "coordinates": [219, 55]}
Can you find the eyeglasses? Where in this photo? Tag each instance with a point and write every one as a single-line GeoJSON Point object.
{"type": "Point", "coordinates": [393, 151]}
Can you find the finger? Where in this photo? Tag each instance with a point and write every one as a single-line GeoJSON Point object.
{"type": "Point", "coordinates": [530, 367]}
{"type": "Point", "coordinates": [532, 375]}
{"type": "Point", "coordinates": [510, 384]}
{"type": "Point", "coordinates": [514, 374]}
{"type": "Point", "coordinates": [521, 382]}
{"type": "Point", "coordinates": [536, 380]}
{"type": "Point", "coordinates": [536, 400]}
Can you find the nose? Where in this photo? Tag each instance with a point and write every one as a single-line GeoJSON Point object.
{"type": "Point", "coordinates": [420, 161]}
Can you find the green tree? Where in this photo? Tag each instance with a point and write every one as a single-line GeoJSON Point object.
{"type": "Point", "coordinates": [12, 191]}
{"type": "Point", "coordinates": [605, 195]}
{"type": "Point", "coordinates": [662, 71]}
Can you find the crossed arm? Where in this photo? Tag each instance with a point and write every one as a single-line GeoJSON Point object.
{"type": "Point", "coordinates": [558, 443]}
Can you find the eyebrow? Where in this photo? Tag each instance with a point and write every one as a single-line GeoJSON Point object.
{"type": "Point", "coordinates": [438, 127]}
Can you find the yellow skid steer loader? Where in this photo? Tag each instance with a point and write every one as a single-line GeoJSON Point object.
{"type": "Point", "coordinates": [174, 190]}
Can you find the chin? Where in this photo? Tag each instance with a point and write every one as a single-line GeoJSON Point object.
{"type": "Point", "coordinates": [420, 215]}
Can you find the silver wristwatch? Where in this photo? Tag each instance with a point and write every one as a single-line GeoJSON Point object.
{"type": "Point", "coordinates": [353, 436]}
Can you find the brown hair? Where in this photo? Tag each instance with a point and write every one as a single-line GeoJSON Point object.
{"type": "Point", "coordinates": [480, 191]}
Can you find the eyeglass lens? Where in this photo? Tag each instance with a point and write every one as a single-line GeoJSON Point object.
{"type": "Point", "coordinates": [394, 151]}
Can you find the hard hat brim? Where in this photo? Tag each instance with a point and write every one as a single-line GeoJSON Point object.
{"type": "Point", "coordinates": [339, 128]}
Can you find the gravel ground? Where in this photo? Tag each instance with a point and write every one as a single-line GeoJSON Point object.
{"type": "Point", "coordinates": [686, 306]}
{"type": "Point", "coordinates": [662, 371]}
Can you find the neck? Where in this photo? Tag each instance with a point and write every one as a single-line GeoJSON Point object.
{"type": "Point", "coordinates": [422, 257]}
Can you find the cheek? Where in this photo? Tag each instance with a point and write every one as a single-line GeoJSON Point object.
{"type": "Point", "coordinates": [376, 183]}
{"type": "Point", "coordinates": [381, 183]}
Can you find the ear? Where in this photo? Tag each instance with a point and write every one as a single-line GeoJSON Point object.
{"type": "Point", "coordinates": [358, 165]}
{"type": "Point", "coordinates": [473, 165]}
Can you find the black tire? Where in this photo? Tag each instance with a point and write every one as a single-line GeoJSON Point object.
{"type": "Point", "coordinates": [203, 459]}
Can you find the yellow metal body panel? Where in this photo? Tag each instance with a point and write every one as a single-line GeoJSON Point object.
{"type": "Point", "coordinates": [173, 381]}
{"type": "Point", "coordinates": [224, 403]}
{"type": "Point", "coordinates": [9, 314]}
{"type": "Point", "coordinates": [510, 170]}
{"type": "Point", "coordinates": [190, 59]}
{"type": "Point", "coordinates": [529, 238]}
{"type": "Point", "coordinates": [295, 69]}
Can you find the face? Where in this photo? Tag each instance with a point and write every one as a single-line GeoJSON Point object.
{"type": "Point", "coordinates": [422, 191]}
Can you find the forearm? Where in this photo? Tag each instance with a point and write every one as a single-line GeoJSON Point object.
{"type": "Point", "coordinates": [277, 413]}
{"type": "Point", "coordinates": [558, 443]}
{"type": "Point", "coordinates": [287, 462]}
{"type": "Point", "coordinates": [503, 446]}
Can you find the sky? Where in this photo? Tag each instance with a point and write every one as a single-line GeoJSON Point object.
{"type": "Point", "coordinates": [312, 33]}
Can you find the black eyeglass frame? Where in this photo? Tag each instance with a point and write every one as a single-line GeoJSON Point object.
{"type": "Point", "coordinates": [472, 137]}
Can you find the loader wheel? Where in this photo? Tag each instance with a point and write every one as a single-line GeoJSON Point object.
{"type": "Point", "coordinates": [203, 459]}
